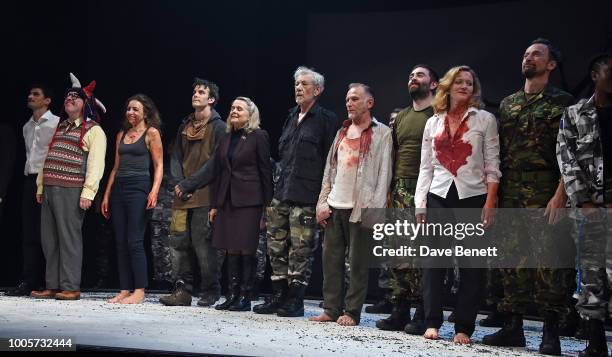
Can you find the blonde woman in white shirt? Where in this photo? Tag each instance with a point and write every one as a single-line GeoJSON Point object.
{"type": "Point", "coordinates": [459, 170]}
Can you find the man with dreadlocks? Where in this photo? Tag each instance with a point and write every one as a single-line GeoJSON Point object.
{"type": "Point", "coordinates": [67, 185]}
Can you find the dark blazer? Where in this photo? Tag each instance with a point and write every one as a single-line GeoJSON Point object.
{"type": "Point", "coordinates": [248, 178]}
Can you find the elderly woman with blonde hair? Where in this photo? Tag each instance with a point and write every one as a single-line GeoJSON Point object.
{"type": "Point", "coordinates": [242, 188]}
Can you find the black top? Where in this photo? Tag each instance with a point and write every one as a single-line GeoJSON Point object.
{"type": "Point", "coordinates": [303, 150]}
{"type": "Point", "coordinates": [135, 159]}
{"type": "Point", "coordinates": [236, 135]}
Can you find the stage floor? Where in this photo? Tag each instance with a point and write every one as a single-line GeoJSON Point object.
{"type": "Point", "coordinates": [151, 326]}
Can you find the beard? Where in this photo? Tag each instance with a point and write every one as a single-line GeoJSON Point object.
{"type": "Point", "coordinates": [420, 92]}
{"type": "Point", "coordinates": [531, 72]}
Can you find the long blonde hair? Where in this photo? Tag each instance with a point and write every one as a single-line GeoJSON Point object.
{"type": "Point", "coordinates": [253, 122]}
{"type": "Point", "coordinates": [441, 102]}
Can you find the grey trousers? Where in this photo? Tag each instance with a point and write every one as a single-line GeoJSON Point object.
{"type": "Point", "coordinates": [61, 237]}
{"type": "Point", "coordinates": [342, 236]}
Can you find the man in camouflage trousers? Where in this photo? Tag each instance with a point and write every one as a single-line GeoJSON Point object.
{"type": "Point", "coordinates": [529, 121]}
{"type": "Point", "coordinates": [306, 137]}
{"type": "Point", "coordinates": [407, 133]}
{"type": "Point", "coordinates": [584, 153]}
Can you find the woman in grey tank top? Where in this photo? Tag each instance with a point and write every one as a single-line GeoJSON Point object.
{"type": "Point", "coordinates": [129, 193]}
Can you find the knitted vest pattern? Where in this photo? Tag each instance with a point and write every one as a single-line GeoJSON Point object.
{"type": "Point", "coordinates": [66, 160]}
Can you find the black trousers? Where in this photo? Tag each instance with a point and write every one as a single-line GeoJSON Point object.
{"type": "Point", "coordinates": [33, 257]}
{"type": "Point", "coordinates": [128, 212]}
{"type": "Point", "coordinates": [472, 280]}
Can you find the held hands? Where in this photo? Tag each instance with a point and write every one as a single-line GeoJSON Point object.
{"type": "Point", "coordinates": [104, 208]}
{"type": "Point", "coordinates": [322, 216]}
{"type": "Point", "coordinates": [84, 203]}
{"type": "Point", "coordinates": [487, 216]}
{"type": "Point", "coordinates": [152, 200]}
{"type": "Point", "coordinates": [39, 198]}
{"type": "Point", "coordinates": [555, 208]}
{"type": "Point", "coordinates": [212, 214]}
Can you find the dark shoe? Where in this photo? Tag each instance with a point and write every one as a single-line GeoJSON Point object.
{"type": "Point", "coordinates": [44, 294]}
{"type": "Point", "coordinates": [179, 296]}
{"type": "Point", "coordinates": [400, 316]}
{"type": "Point", "coordinates": [417, 325]}
{"type": "Point", "coordinates": [380, 307]}
{"type": "Point", "coordinates": [597, 346]}
{"type": "Point", "coordinates": [279, 294]}
{"type": "Point", "coordinates": [322, 304]}
{"type": "Point", "coordinates": [208, 300]}
{"type": "Point", "coordinates": [233, 294]}
{"type": "Point", "coordinates": [23, 289]}
{"type": "Point", "coordinates": [243, 303]}
{"type": "Point", "coordinates": [582, 332]}
{"type": "Point", "coordinates": [568, 323]}
{"type": "Point", "coordinates": [493, 319]}
{"type": "Point", "coordinates": [550, 335]}
{"type": "Point", "coordinates": [294, 306]}
{"type": "Point", "coordinates": [511, 335]}
{"type": "Point", "coordinates": [451, 317]}
{"type": "Point", "coordinates": [68, 295]}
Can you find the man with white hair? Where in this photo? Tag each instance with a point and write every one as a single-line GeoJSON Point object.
{"type": "Point", "coordinates": [306, 138]}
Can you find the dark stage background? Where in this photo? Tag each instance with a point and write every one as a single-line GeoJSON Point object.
{"type": "Point", "coordinates": [252, 47]}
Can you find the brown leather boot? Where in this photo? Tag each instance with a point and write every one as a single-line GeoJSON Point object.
{"type": "Point", "coordinates": [44, 294]}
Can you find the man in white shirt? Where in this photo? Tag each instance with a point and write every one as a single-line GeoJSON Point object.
{"type": "Point", "coordinates": [37, 133]}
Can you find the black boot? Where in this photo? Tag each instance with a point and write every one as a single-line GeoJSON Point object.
{"type": "Point", "coordinates": [279, 294]}
{"type": "Point", "coordinates": [243, 303]}
{"type": "Point", "coordinates": [23, 289]}
{"type": "Point", "coordinates": [180, 296]}
{"type": "Point", "coordinates": [233, 293]}
{"type": "Point", "coordinates": [597, 346]}
{"type": "Point", "coordinates": [568, 323]}
{"type": "Point", "coordinates": [493, 319]}
{"type": "Point", "coordinates": [400, 316]}
{"type": "Point", "coordinates": [417, 325]}
{"type": "Point", "coordinates": [582, 332]}
{"type": "Point", "coordinates": [383, 306]}
{"type": "Point", "coordinates": [550, 335]}
{"type": "Point", "coordinates": [294, 306]}
{"type": "Point", "coordinates": [511, 335]}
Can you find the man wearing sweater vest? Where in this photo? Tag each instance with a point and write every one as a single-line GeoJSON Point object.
{"type": "Point", "coordinates": [67, 185]}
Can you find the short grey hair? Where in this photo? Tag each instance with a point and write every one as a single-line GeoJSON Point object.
{"type": "Point", "coordinates": [317, 78]}
{"type": "Point", "coordinates": [365, 87]}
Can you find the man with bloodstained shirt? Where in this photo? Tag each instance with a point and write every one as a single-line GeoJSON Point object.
{"type": "Point", "coordinates": [357, 176]}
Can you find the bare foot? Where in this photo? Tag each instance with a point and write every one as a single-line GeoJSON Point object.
{"type": "Point", "coordinates": [137, 297]}
{"type": "Point", "coordinates": [462, 339]}
{"type": "Point", "coordinates": [346, 320]}
{"type": "Point", "coordinates": [321, 318]}
{"type": "Point", "coordinates": [431, 334]}
{"type": "Point", "coordinates": [122, 295]}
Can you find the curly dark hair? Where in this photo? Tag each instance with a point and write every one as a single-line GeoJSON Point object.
{"type": "Point", "coordinates": [151, 114]}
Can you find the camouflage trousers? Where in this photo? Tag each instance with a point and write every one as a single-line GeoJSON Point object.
{"type": "Point", "coordinates": [594, 242]}
{"type": "Point", "coordinates": [260, 255]}
{"type": "Point", "coordinates": [292, 240]}
{"type": "Point", "coordinates": [495, 288]}
{"type": "Point", "coordinates": [549, 288]}
{"type": "Point", "coordinates": [405, 281]}
{"type": "Point", "coordinates": [191, 239]}
{"type": "Point", "coordinates": [162, 264]}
